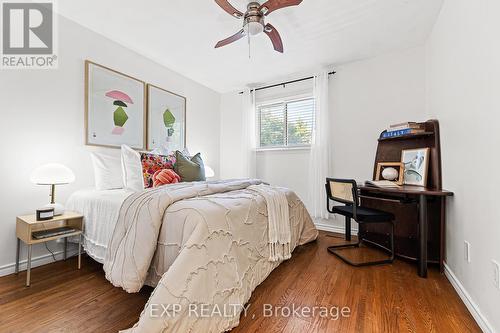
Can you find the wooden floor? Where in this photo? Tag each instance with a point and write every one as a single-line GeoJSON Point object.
{"type": "Point", "coordinates": [389, 298]}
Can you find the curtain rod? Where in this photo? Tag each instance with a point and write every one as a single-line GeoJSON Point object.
{"type": "Point", "coordinates": [287, 82]}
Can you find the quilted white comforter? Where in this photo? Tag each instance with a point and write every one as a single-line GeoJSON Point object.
{"type": "Point", "coordinates": [215, 252]}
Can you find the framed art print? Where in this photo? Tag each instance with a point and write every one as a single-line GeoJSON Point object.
{"type": "Point", "coordinates": [115, 108]}
{"type": "Point", "coordinates": [166, 120]}
{"type": "Point", "coordinates": [416, 162]}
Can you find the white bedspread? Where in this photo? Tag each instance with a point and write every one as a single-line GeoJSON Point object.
{"type": "Point", "coordinates": [100, 210]}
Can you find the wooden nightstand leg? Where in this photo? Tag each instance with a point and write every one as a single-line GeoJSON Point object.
{"type": "Point", "coordinates": [65, 248]}
{"type": "Point", "coordinates": [28, 271]}
{"type": "Point", "coordinates": [79, 251]}
{"type": "Point", "coordinates": [17, 255]}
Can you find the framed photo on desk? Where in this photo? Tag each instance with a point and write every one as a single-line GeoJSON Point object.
{"type": "Point", "coordinates": [392, 171]}
{"type": "Point", "coordinates": [416, 163]}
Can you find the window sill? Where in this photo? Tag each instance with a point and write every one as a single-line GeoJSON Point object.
{"type": "Point", "coordinates": [259, 150]}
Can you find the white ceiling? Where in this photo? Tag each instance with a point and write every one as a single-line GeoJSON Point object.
{"type": "Point", "coordinates": [181, 34]}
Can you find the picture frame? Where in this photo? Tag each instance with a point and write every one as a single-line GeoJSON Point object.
{"type": "Point", "coordinates": [166, 126]}
{"type": "Point", "coordinates": [399, 166]}
{"type": "Point", "coordinates": [416, 165]}
{"type": "Point", "coordinates": [115, 108]}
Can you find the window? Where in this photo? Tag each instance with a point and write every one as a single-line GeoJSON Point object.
{"type": "Point", "coordinates": [286, 124]}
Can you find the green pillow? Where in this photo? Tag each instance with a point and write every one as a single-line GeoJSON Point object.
{"type": "Point", "coordinates": [189, 169]}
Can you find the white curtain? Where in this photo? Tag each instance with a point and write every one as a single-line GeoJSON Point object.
{"type": "Point", "coordinates": [249, 134]}
{"type": "Point", "coordinates": [319, 161]}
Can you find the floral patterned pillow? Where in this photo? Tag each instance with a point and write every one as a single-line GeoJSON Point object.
{"type": "Point", "coordinates": [152, 163]}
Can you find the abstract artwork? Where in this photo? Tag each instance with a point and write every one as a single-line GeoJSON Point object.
{"type": "Point", "coordinates": [415, 162]}
{"type": "Point", "coordinates": [115, 111]}
{"type": "Point", "coordinates": [166, 120]}
{"type": "Point", "coordinates": [120, 117]}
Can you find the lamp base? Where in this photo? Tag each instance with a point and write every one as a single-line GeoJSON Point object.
{"type": "Point", "coordinates": [58, 208]}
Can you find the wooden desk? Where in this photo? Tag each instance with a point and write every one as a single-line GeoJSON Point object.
{"type": "Point", "coordinates": [406, 194]}
{"type": "Point", "coordinates": [420, 212]}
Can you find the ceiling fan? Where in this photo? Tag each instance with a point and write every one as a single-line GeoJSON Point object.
{"type": "Point", "coordinates": [253, 20]}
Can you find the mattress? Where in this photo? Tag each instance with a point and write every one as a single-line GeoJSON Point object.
{"type": "Point", "coordinates": [100, 210]}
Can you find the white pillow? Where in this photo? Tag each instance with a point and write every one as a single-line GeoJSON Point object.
{"type": "Point", "coordinates": [107, 171]}
{"type": "Point", "coordinates": [132, 169]}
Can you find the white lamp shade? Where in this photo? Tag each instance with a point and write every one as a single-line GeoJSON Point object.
{"type": "Point", "coordinates": [209, 172]}
{"type": "Point", "coordinates": [52, 174]}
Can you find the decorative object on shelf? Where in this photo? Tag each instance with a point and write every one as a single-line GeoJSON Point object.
{"type": "Point", "coordinates": [416, 162]}
{"type": "Point", "coordinates": [406, 125]}
{"type": "Point", "coordinates": [44, 214]}
{"type": "Point", "coordinates": [390, 174]}
{"type": "Point", "coordinates": [391, 171]}
{"type": "Point", "coordinates": [115, 108]}
{"type": "Point", "coordinates": [209, 172]}
{"type": "Point", "coordinates": [254, 20]}
{"type": "Point", "coordinates": [403, 129]}
{"type": "Point", "coordinates": [166, 120]}
{"type": "Point", "coordinates": [53, 174]}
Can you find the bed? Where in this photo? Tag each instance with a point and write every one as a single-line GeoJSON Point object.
{"type": "Point", "coordinates": [200, 243]}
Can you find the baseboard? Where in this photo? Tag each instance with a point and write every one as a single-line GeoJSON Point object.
{"type": "Point", "coordinates": [329, 227]}
{"type": "Point", "coordinates": [469, 303]}
{"type": "Point", "coordinates": [36, 261]}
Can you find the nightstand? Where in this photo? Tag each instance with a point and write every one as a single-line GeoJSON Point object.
{"type": "Point", "coordinates": [27, 224]}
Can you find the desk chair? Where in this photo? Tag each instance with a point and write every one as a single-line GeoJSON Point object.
{"type": "Point", "coordinates": [346, 191]}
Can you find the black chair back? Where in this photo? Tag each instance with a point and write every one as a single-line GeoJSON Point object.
{"type": "Point", "coordinates": [344, 191]}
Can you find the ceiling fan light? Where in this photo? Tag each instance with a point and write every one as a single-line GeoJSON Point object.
{"type": "Point", "coordinates": [255, 28]}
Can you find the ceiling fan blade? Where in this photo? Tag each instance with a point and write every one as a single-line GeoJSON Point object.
{"type": "Point", "coordinates": [224, 4]}
{"type": "Point", "coordinates": [275, 37]}
{"type": "Point", "coordinates": [240, 34]}
{"type": "Point", "coordinates": [272, 5]}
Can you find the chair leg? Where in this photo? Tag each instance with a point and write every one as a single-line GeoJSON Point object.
{"type": "Point", "coordinates": [332, 250]}
{"type": "Point", "coordinates": [347, 236]}
{"type": "Point", "coordinates": [347, 228]}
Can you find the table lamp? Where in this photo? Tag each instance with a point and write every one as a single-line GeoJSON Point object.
{"type": "Point", "coordinates": [209, 172]}
{"type": "Point", "coordinates": [53, 174]}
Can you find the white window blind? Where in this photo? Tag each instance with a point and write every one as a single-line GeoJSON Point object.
{"type": "Point", "coordinates": [286, 124]}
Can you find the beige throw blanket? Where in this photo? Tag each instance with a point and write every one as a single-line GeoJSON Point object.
{"type": "Point", "coordinates": [221, 253]}
{"type": "Point", "coordinates": [279, 221]}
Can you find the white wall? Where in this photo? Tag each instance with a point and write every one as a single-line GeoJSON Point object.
{"type": "Point", "coordinates": [231, 137]}
{"type": "Point", "coordinates": [365, 96]}
{"type": "Point", "coordinates": [42, 120]}
{"type": "Point", "coordinates": [463, 80]}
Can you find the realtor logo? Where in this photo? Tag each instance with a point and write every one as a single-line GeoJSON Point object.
{"type": "Point", "coordinates": [28, 35]}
